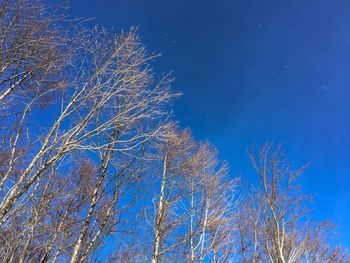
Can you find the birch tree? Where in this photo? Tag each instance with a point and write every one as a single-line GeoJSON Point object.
{"type": "Point", "coordinates": [168, 219]}
{"type": "Point", "coordinates": [109, 107]}
{"type": "Point", "coordinates": [110, 94]}
{"type": "Point", "coordinates": [211, 202]}
{"type": "Point", "coordinates": [34, 53]}
{"type": "Point", "coordinates": [274, 225]}
{"type": "Point", "coordinates": [87, 143]}
{"type": "Point", "coordinates": [194, 211]}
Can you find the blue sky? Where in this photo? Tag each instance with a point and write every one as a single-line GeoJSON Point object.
{"type": "Point", "coordinates": [252, 71]}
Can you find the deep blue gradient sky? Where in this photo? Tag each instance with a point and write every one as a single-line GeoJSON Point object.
{"type": "Point", "coordinates": [252, 71]}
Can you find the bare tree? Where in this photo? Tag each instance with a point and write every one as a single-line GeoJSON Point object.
{"type": "Point", "coordinates": [194, 212]}
{"type": "Point", "coordinates": [212, 202]}
{"type": "Point", "coordinates": [114, 98]}
{"type": "Point", "coordinates": [34, 52]}
{"type": "Point", "coordinates": [274, 225]}
{"type": "Point", "coordinates": [109, 108]}
{"type": "Point", "coordinates": [175, 152]}
{"type": "Point", "coordinates": [87, 146]}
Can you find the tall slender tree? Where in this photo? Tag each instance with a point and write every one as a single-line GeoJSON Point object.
{"type": "Point", "coordinates": [274, 225]}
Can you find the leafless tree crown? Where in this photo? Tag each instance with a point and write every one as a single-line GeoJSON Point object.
{"type": "Point", "coordinates": [93, 168]}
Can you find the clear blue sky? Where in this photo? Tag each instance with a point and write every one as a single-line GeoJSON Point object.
{"type": "Point", "coordinates": [252, 71]}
